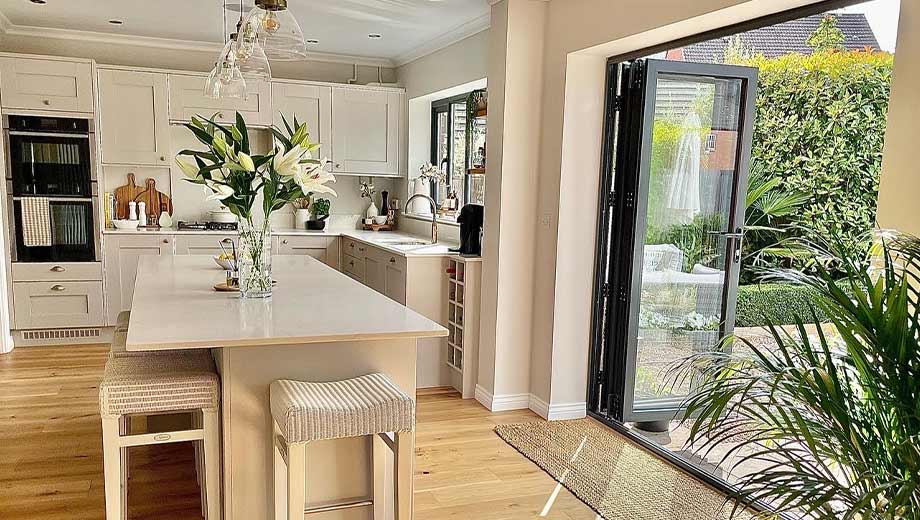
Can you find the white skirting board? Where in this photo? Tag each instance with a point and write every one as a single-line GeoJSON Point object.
{"type": "Point", "coordinates": [556, 412]}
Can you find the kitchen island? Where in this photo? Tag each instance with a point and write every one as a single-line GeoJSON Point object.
{"type": "Point", "coordinates": [319, 325]}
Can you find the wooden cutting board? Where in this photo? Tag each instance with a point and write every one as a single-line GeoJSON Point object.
{"type": "Point", "coordinates": [156, 201]}
{"type": "Point", "coordinates": [124, 195]}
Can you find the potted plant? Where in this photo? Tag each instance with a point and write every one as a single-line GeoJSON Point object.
{"type": "Point", "coordinates": [320, 209]}
{"type": "Point", "coordinates": [832, 414]}
{"type": "Point", "coordinates": [236, 177]}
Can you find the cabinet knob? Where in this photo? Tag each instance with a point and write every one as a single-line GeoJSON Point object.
{"type": "Point", "coordinates": [284, 241]}
{"type": "Point", "coordinates": [46, 102]}
{"type": "Point", "coordinates": [351, 263]}
{"type": "Point", "coordinates": [338, 166]}
{"type": "Point", "coordinates": [163, 158]}
{"type": "Point", "coordinates": [392, 260]}
{"type": "Point", "coordinates": [361, 249]}
{"type": "Point", "coordinates": [220, 115]}
{"type": "Point", "coordinates": [226, 241]}
{"type": "Point", "coordinates": [165, 240]}
{"type": "Point", "coordinates": [58, 269]}
{"type": "Point", "coordinates": [351, 246]}
{"type": "Point", "coordinates": [58, 288]}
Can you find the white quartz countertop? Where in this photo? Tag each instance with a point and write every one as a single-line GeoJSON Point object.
{"type": "Point", "coordinates": [394, 242]}
{"type": "Point", "coordinates": [176, 307]}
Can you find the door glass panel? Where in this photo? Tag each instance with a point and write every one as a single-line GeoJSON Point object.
{"type": "Point", "coordinates": [691, 183]}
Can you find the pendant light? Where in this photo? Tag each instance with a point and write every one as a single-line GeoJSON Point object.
{"type": "Point", "coordinates": [271, 25]}
{"type": "Point", "coordinates": [251, 58]}
{"type": "Point", "coordinates": [226, 78]}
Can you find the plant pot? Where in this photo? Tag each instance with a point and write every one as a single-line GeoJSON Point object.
{"type": "Point", "coordinates": [316, 225]}
{"type": "Point", "coordinates": [301, 216]}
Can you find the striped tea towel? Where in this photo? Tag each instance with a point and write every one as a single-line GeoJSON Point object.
{"type": "Point", "coordinates": [36, 222]}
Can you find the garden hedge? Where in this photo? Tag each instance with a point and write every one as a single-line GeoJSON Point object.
{"type": "Point", "coordinates": [820, 126]}
{"type": "Point", "coordinates": [779, 303]}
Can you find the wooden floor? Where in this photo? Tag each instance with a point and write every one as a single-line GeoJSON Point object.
{"type": "Point", "coordinates": [51, 465]}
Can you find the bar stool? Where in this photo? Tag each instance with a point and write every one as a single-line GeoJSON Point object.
{"type": "Point", "coordinates": [137, 384]}
{"type": "Point", "coordinates": [370, 405]}
{"type": "Point", "coordinates": [121, 322]}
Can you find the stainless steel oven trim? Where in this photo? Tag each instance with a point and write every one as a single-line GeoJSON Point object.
{"type": "Point", "coordinates": [91, 123]}
{"type": "Point", "coordinates": [48, 134]}
{"type": "Point", "coordinates": [61, 199]}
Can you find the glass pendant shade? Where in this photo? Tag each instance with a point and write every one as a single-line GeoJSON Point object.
{"type": "Point", "coordinates": [277, 31]}
{"type": "Point", "coordinates": [252, 61]}
{"type": "Point", "coordinates": [226, 78]}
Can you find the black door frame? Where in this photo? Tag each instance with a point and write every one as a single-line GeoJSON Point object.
{"type": "Point", "coordinates": [607, 160]}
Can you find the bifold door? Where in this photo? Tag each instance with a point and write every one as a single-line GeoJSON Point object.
{"type": "Point", "coordinates": [677, 152]}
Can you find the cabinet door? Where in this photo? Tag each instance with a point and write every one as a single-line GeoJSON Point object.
{"type": "Point", "coordinates": [395, 282]}
{"type": "Point", "coordinates": [121, 257]}
{"type": "Point", "coordinates": [365, 131]}
{"type": "Point", "coordinates": [39, 84]}
{"type": "Point", "coordinates": [375, 275]}
{"type": "Point", "coordinates": [353, 267]}
{"type": "Point", "coordinates": [57, 304]}
{"type": "Point", "coordinates": [187, 99]}
{"type": "Point", "coordinates": [317, 247]}
{"type": "Point", "coordinates": [134, 118]}
{"type": "Point", "coordinates": [205, 244]}
{"type": "Point", "coordinates": [312, 104]}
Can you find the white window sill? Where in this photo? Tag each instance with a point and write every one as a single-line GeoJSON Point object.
{"type": "Point", "coordinates": [427, 218]}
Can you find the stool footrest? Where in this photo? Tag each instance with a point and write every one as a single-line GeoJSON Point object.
{"type": "Point", "coordinates": [350, 504]}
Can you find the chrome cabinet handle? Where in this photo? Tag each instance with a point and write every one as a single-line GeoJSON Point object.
{"type": "Point", "coordinates": [58, 269]}
{"type": "Point", "coordinates": [58, 288]}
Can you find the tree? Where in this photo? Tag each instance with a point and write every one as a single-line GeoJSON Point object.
{"type": "Point", "coordinates": [827, 37]}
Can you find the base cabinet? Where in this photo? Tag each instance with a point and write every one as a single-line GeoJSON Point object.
{"type": "Point", "coordinates": [57, 304]}
{"type": "Point", "coordinates": [122, 253]}
{"type": "Point", "coordinates": [324, 249]}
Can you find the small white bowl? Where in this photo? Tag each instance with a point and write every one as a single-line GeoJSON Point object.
{"type": "Point", "coordinates": [125, 224]}
{"type": "Point", "coordinates": [225, 264]}
{"type": "Point", "coordinates": [381, 220]}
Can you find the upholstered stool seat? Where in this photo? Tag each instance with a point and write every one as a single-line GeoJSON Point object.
{"type": "Point", "coordinates": [148, 384]}
{"type": "Point", "coordinates": [370, 405]}
{"type": "Point", "coordinates": [121, 322]}
{"type": "Point", "coordinates": [364, 405]}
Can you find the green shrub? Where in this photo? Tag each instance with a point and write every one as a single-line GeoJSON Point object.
{"type": "Point", "coordinates": [777, 303]}
{"type": "Point", "coordinates": [820, 127]}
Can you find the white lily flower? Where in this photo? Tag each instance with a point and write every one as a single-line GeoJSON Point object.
{"type": "Point", "coordinates": [288, 164]}
{"type": "Point", "coordinates": [246, 161]}
{"type": "Point", "coordinates": [220, 191]}
{"type": "Point", "coordinates": [313, 178]}
{"type": "Point", "coordinates": [190, 170]}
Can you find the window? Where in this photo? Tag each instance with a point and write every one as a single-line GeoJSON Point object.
{"type": "Point", "coordinates": [459, 152]}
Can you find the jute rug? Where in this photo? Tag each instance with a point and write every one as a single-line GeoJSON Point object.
{"type": "Point", "coordinates": [615, 477]}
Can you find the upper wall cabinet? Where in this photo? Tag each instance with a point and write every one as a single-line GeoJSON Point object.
{"type": "Point", "coordinates": [311, 104]}
{"type": "Point", "coordinates": [187, 99]}
{"type": "Point", "coordinates": [38, 84]}
{"type": "Point", "coordinates": [365, 131]}
{"type": "Point", "coordinates": [134, 117]}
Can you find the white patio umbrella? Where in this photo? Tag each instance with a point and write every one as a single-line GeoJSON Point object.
{"type": "Point", "coordinates": [684, 192]}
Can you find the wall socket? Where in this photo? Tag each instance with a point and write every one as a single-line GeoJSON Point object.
{"type": "Point", "coordinates": [546, 219]}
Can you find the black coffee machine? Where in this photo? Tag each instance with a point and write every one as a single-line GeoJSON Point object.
{"type": "Point", "coordinates": [470, 219]}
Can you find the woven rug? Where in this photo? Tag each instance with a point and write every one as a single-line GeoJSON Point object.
{"type": "Point", "coordinates": [615, 477]}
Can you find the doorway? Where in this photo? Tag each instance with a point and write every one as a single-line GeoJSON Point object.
{"type": "Point", "coordinates": [676, 162]}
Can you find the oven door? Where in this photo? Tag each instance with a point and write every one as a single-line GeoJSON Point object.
{"type": "Point", "coordinates": [72, 234]}
{"type": "Point", "coordinates": [50, 164]}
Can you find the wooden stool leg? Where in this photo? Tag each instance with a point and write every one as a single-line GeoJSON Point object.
{"type": "Point", "coordinates": [380, 451]}
{"type": "Point", "coordinates": [124, 429]}
{"type": "Point", "coordinates": [279, 480]}
{"type": "Point", "coordinates": [212, 463]}
{"type": "Point", "coordinates": [296, 481]}
{"type": "Point", "coordinates": [405, 467]}
{"type": "Point", "coordinates": [111, 464]}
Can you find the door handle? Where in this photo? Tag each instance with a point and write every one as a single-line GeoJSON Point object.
{"type": "Point", "coordinates": [735, 236]}
{"type": "Point", "coordinates": [58, 269]}
{"type": "Point", "coordinates": [58, 288]}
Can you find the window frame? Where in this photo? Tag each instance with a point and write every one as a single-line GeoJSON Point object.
{"type": "Point", "coordinates": [443, 106]}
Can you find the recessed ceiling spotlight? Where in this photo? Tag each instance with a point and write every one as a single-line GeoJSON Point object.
{"type": "Point", "coordinates": [374, 36]}
{"type": "Point", "coordinates": [115, 21]}
{"type": "Point", "coordinates": [39, 2]}
{"type": "Point", "coordinates": [312, 41]}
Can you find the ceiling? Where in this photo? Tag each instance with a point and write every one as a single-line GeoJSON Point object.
{"type": "Point", "coordinates": [407, 27]}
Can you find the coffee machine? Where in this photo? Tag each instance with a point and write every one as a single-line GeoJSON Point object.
{"type": "Point", "coordinates": [471, 219]}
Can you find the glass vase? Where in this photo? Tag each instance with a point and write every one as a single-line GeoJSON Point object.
{"type": "Point", "coordinates": [255, 259]}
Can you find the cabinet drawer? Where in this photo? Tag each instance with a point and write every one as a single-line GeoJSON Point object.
{"type": "Point", "coordinates": [387, 258]}
{"type": "Point", "coordinates": [57, 304]}
{"type": "Point", "coordinates": [205, 244]}
{"type": "Point", "coordinates": [46, 84]}
{"type": "Point", "coordinates": [354, 267]}
{"type": "Point", "coordinates": [354, 248]}
{"type": "Point", "coordinates": [187, 99]}
{"type": "Point", "coordinates": [50, 272]}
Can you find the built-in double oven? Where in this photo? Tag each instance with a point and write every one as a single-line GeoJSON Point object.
{"type": "Point", "coordinates": [51, 189]}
